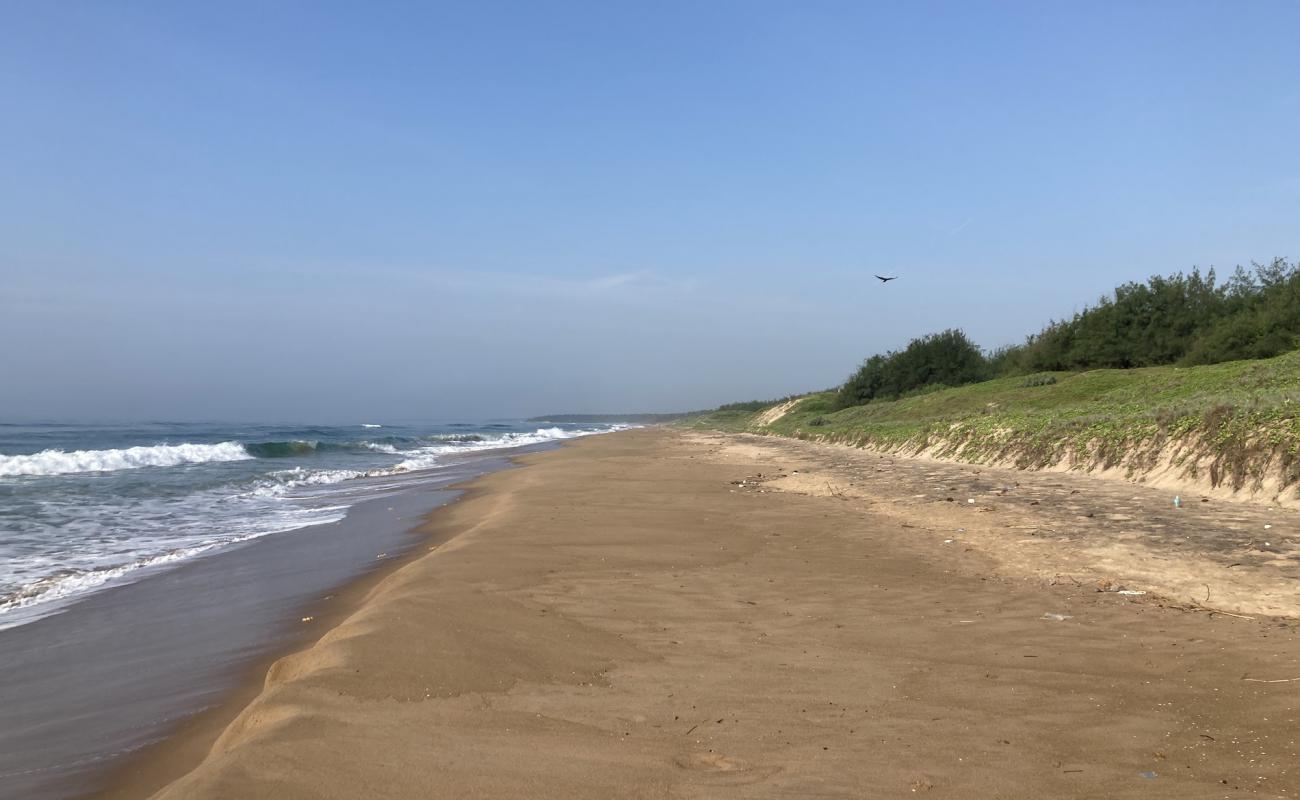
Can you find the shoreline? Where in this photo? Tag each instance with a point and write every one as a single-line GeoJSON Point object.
{"type": "Point", "coordinates": [144, 772]}
{"type": "Point", "coordinates": [630, 616]}
{"type": "Point", "coordinates": [151, 768]}
{"type": "Point", "coordinates": [122, 671]}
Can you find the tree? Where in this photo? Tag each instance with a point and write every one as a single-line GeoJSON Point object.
{"type": "Point", "coordinates": [938, 359]}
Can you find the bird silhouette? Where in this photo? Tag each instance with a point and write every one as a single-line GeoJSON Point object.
{"type": "Point", "coordinates": [883, 279]}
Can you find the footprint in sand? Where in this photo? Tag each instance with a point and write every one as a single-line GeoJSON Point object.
{"type": "Point", "coordinates": [724, 768]}
{"type": "Point", "coordinates": [711, 761]}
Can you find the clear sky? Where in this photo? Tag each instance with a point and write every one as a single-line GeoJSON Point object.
{"type": "Point", "coordinates": [336, 211]}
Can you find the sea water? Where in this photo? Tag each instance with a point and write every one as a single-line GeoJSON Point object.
{"type": "Point", "coordinates": [88, 506]}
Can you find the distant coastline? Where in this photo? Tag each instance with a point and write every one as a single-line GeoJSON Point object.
{"type": "Point", "coordinates": [643, 419]}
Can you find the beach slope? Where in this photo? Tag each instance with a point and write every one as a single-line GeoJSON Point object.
{"type": "Point", "coordinates": [624, 618]}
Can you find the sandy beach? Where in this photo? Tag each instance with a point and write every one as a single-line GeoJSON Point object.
{"type": "Point", "coordinates": [656, 613]}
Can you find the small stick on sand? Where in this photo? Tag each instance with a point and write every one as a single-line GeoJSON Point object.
{"type": "Point", "coordinates": [1230, 614]}
{"type": "Point", "coordinates": [1279, 680]}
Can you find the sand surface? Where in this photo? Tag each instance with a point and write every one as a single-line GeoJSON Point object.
{"type": "Point", "coordinates": [1241, 557]}
{"type": "Point", "coordinates": [642, 615]}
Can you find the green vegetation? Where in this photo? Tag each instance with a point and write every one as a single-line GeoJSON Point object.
{"type": "Point", "coordinates": [934, 361]}
{"type": "Point", "coordinates": [1179, 319]}
{"type": "Point", "coordinates": [732, 421]}
{"type": "Point", "coordinates": [754, 405]}
{"type": "Point", "coordinates": [640, 419]}
{"type": "Point", "coordinates": [1229, 418]}
{"type": "Point", "coordinates": [1181, 372]}
{"type": "Point", "coordinates": [1182, 319]}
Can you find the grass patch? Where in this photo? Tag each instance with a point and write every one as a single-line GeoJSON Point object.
{"type": "Point", "coordinates": [1238, 416]}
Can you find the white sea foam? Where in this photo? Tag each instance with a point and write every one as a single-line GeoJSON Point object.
{"type": "Point", "coordinates": [381, 448]}
{"type": "Point", "coordinates": [74, 582]}
{"type": "Point", "coordinates": [429, 457]}
{"type": "Point", "coordinates": [59, 462]}
{"type": "Point", "coordinates": [370, 425]}
{"type": "Point", "coordinates": [299, 476]}
{"type": "Point", "coordinates": [52, 592]}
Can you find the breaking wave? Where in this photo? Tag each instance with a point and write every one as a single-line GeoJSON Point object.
{"type": "Point", "coordinates": [428, 457]}
{"type": "Point", "coordinates": [59, 462]}
{"type": "Point", "coordinates": [304, 447]}
{"type": "Point", "coordinates": [296, 447]}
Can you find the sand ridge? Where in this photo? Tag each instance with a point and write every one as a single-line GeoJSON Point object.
{"type": "Point", "coordinates": [622, 618]}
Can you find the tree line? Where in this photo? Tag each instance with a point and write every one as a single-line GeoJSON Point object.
{"type": "Point", "coordinates": [1182, 319]}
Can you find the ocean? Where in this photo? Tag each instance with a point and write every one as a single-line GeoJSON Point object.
{"type": "Point", "coordinates": [83, 507]}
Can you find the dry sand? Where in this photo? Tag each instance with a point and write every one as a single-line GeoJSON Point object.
{"type": "Point", "coordinates": [625, 618]}
{"type": "Point", "coordinates": [1241, 557]}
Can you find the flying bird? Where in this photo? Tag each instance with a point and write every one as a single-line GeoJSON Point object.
{"type": "Point", "coordinates": [883, 279]}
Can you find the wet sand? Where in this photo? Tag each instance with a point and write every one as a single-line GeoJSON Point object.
{"type": "Point", "coordinates": [642, 615]}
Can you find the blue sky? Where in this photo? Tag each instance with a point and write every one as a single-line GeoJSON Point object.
{"type": "Point", "coordinates": [323, 211]}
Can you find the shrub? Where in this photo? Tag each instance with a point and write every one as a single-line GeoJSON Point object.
{"type": "Point", "coordinates": [753, 405]}
{"type": "Point", "coordinates": [939, 359]}
{"type": "Point", "coordinates": [1178, 319]}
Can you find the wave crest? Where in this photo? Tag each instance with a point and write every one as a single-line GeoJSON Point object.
{"type": "Point", "coordinates": [303, 447]}
{"type": "Point", "coordinates": [296, 447]}
{"type": "Point", "coordinates": [429, 457]}
{"type": "Point", "coordinates": [59, 462]}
